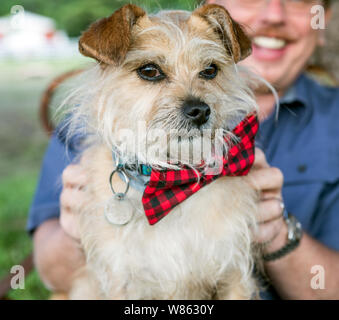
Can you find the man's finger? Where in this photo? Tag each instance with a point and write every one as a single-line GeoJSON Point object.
{"type": "Point", "coordinates": [267, 232]}
{"type": "Point", "coordinates": [71, 199]}
{"type": "Point", "coordinates": [270, 210]}
{"type": "Point", "coordinates": [260, 159]}
{"type": "Point", "coordinates": [73, 176]}
{"type": "Point", "coordinates": [69, 224]}
{"type": "Point", "coordinates": [266, 179]}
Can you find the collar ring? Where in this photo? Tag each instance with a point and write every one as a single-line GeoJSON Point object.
{"type": "Point", "coordinates": [119, 195]}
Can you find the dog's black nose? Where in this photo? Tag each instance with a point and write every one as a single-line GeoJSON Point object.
{"type": "Point", "coordinates": [197, 111]}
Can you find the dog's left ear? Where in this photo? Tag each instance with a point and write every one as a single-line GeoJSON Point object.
{"type": "Point", "coordinates": [107, 40]}
{"type": "Point", "coordinates": [234, 38]}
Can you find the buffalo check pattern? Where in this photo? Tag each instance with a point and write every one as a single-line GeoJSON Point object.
{"type": "Point", "coordinates": [167, 188]}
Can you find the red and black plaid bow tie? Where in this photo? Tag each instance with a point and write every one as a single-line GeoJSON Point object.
{"type": "Point", "coordinates": [167, 188]}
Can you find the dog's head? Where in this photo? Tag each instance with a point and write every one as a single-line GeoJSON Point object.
{"type": "Point", "coordinates": [175, 70]}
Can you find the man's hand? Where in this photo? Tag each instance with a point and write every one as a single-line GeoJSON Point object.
{"type": "Point", "coordinates": [72, 198]}
{"type": "Point", "coordinates": [272, 230]}
{"type": "Point", "coordinates": [58, 255]}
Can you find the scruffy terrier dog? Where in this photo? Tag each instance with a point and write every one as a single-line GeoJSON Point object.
{"type": "Point", "coordinates": [174, 71]}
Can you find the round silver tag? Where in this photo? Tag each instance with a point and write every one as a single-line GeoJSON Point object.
{"type": "Point", "coordinates": [119, 211]}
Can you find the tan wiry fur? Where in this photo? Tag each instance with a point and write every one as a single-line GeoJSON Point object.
{"type": "Point", "coordinates": [202, 249]}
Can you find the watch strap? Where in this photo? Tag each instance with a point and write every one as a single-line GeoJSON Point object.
{"type": "Point", "coordinates": [290, 246]}
{"type": "Point", "coordinates": [294, 227]}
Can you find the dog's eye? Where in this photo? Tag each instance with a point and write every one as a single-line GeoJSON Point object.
{"type": "Point", "coordinates": [210, 72]}
{"type": "Point", "coordinates": [151, 72]}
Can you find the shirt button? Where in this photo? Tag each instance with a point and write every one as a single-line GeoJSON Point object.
{"type": "Point", "coordinates": [302, 168]}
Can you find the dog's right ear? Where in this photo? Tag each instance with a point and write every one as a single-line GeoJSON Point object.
{"type": "Point", "coordinates": [107, 40]}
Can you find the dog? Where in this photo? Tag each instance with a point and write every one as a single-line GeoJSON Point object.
{"type": "Point", "coordinates": [174, 71]}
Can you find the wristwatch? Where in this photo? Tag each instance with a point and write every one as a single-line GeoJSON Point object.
{"type": "Point", "coordinates": [294, 234]}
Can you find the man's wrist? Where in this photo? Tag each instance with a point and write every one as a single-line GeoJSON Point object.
{"type": "Point", "coordinates": [279, 240]}
{"type": "Point", "coordinates": [292, 239]}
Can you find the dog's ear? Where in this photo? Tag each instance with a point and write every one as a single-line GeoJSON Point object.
{"type": "Point", "coordinates": [234, 38]}
{"type": "Point", "coordinates": [107, 40]}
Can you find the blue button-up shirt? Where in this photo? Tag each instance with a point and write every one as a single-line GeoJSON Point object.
{"type": "Point", "coordinates": [303, 143]}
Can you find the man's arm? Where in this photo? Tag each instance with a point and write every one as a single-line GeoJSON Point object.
{"type": "Point", "coordinates": [291, 275]}
{"type": "Point", "coordinates": [52, 217]}
{"type": "Point", "coordinates": [57, 256]}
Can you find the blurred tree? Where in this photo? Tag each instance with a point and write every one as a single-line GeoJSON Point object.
{"type": "Point", "coordinates": [75, 15]}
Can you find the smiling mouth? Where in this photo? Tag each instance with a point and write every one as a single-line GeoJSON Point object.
{"type": "Point", "coordinates": [271, 43]}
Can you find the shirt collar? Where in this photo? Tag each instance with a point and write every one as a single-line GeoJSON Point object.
{"type": "Point", "coordinates": [296, 93]}
{"type": "Point", "coordinates": [290, 96]}
{"type": "Point", "coordinates": [294, 98]}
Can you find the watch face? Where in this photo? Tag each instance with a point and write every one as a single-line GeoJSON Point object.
{"type": "Point", "coordinates": [290, 234]}
{"type": "Point", "coordinates": [294, 228]}
{"type": "Point", "coordinates": [298, 230]}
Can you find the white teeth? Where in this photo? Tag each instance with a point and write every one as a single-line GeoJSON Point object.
{"type": "Point", "coordinates": [269, 43]}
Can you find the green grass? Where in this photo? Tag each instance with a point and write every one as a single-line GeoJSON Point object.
{"type": "Point", "coordinates": [15, 196]}
{"type": "Point", "coordinates": [22, 145]}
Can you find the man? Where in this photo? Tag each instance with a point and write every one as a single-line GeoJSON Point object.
{"type": "Point", "coordinates": [301, 143]}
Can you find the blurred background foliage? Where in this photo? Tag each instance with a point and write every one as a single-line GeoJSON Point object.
{"type": "Point", "coordinates": [74, 16]}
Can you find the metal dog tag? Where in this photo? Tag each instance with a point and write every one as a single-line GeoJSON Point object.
{"type": "Point", "coordinates": [119, 210]}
